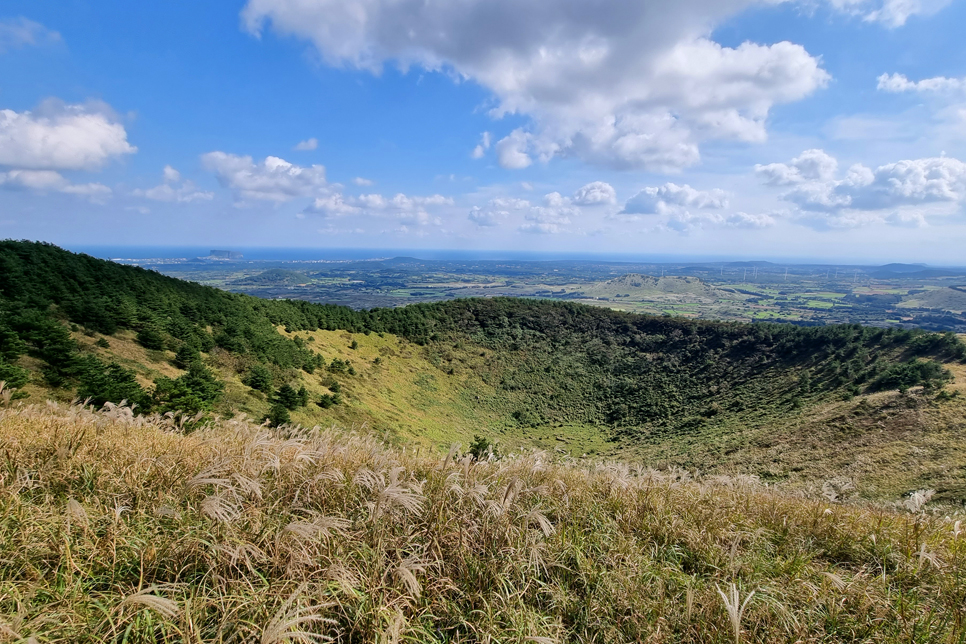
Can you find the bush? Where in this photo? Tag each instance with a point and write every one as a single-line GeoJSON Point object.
{"type": "Point", "coordinates": [110, 383]}
{"type": "Point", "coordinates": [326, 401]}
{"type": "Point", "coordinates": [928, 373]}
{"type": "Point", "coordinates": [259, 378]}
{"type": "Point", "coordinates": [482, 448]}
{"type": "Point", "coordinates": [186, 356]}
{"type": "Point", "coordinates": [150, 338]}
{"type": "Point", "coordinates": [303, 394]}
{"type": "Point", "coordinates": [278, 415]}
{"type": "Point", "coordinates": [190, 393]}
{"type": "Point", "coordinates": [14, 376]}
{"type": "Point", "coordinates": [287, 397]}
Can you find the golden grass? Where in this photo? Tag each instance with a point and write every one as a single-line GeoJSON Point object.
{"type": "Point", "coordinates": [116, 528]}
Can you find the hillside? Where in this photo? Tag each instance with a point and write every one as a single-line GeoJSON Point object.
{"type": "Point", "coordinates": [575, 379]}
{"type": "Point", "coordinates": [640, 286]}
{"type": "Point", "coordinates": [946, 299]}
{"type": "Point", "coordinates": [119, 528]}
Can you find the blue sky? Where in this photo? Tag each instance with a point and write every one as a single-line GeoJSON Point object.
{"type": "Point", "coordinates": [821, 128]}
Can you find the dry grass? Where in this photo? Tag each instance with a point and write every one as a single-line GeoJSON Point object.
{"type": "Point", "coordinates": [115, 528]}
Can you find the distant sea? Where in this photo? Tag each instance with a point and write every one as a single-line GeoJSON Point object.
{"type": "Point", "coordinates": [336, 254]}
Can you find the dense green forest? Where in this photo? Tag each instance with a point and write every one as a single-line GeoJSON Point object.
{"type": "Point", "coordinates": [558, 361]}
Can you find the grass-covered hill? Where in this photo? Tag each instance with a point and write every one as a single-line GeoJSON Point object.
{"type": "Point", "coordinates": [638, 286]}
{"type": "Point", "coordinates": [116, 528]}
{"type": "Point", "coordinates": [580, 379]}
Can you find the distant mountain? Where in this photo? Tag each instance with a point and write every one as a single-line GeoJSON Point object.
{"type": "Point", "coordinates": [901, 268]}
{"type": "Point", "coordinates": [750, 264]}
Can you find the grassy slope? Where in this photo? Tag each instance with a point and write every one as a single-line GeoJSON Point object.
{"type": "Point", "coordinates": [885, 444]}
{"type": "Point", "coordinates": [118, 529]}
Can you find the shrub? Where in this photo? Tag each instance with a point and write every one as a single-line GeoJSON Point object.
{"type": "Point", "coordinates": [150, 338]}
{"type": "Point", "coordinates": [928, 373]}
{"type": "Point", "coordinates": [287, 397]}
{"type": "Point", "coordinates": [482, 448]}
{"type": "Point", "coordinates": [186, 356]}
{"type": "Point", "coordinates": [278, 415]}
{"type": "Point", "coordinates": [259, 378]}
{"type": "Point", "coordinates": [110, 383]}
{"type": "Point", "coordinates": [193, 392]}
{"type": "Point", "coordinates": [14, 376]}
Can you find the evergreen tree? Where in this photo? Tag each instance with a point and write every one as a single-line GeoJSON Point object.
{"type": "Point", "coordinates": [288, 397]}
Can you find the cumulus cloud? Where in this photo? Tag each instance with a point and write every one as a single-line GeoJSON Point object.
{"type": "Point", "coordinates": [273, 179]}
{"type": "Point", "coordinates": [596, 193]}
{"type": "Point", "coordinates": [862, 196]}
{"type": "Point", "coordinates": [362, 181]}
{"type": "Point", "coordinates": [307, 144]}
{"type": "Point", "coordinates": [332, 205]}
{"type": "Point", "coordinates": [52, 181]}
{"type": "Point", "coordinates": [496, 211]}
{"type": "Point", "coordinates": [624, 84]}
{"type": "Point", "coordinates": [511, 151]}
{"type": "Point", "coordinates": [174, 190]}
{"type": "Point", "coordinates": [896, 83]}
{"type": "Point", "coordinates": [810, 165]}
{"type": "Point", "coordinates": [552, 217]}
{"type": "Point", "coordinates": [21, 32]}
{"type": "Point", "coordinates": [670, 196]}
{"type": "Point", "coordinates": [404, 209]}
{"type": "Point", "coordinates": [480, 150]}
{"type": "Point", "coordinates": [170, 175]}
{"type": "Point", "coordinates": [58, 136]}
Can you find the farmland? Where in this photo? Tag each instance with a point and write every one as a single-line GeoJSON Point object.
{"type": "Point", "coordinates": [897, 295]}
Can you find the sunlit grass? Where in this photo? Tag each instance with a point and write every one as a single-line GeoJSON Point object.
{"type": "Point", "coordinates": [116, 528]}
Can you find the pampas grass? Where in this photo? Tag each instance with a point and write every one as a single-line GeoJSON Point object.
{"type": "Point", "coordinates": [116, 527]}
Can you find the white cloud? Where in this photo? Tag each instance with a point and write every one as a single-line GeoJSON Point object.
{"type": "Point", "coordinates": [810, 165]}
{"type": "Point", "coordinates": [332, 205]}
{"type": "Point", "coordinates": [404, 209]}
{"type": "Point", "coordinates": [899, 83]}
{"type": "Point", "coordinates": [496, 211]}
{"type": "Point", "coordinates": [891, 13]}
{"type": "Point", "coordinates": [745, 220]}
{"type": "Point", "coordinates": [624, 84]}
{"type": "Point", "coordinates": [595, 193]}
{"type": "Point", "coordinates": [307, 144]}
{"type": "Point", "coordinates": [61, 137]}
{"type": "Point", "coordinates": [273, 179]}
{"type": "Point", "coordinates": [552, 217]}
{"type": "Point", "coordinates": [672, 197]}
{"type": "Point", "coordinates": [907, 220]}
{"type": "Point", "coordinates": [21, 32]}
{"type": "Point", "coordinates": [914, 188]}
{"type": "Point", "coordinates": [51, 181]}
{"type": "Point", "coordinates": [511, 151]}
{"type": "Point", "coordinates": [482, 147]}
{"type": "Point", "coordinates": [168, 191]}
{"type": "Point", "coordinates": [362, 181]}
{"type": "Point", "coordinates": [171, 175]}
{"type": "Point", "coordinates": [685, 222]}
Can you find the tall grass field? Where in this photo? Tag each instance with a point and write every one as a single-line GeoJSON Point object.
{"type": "Point", "coordinates": [117, 527]}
